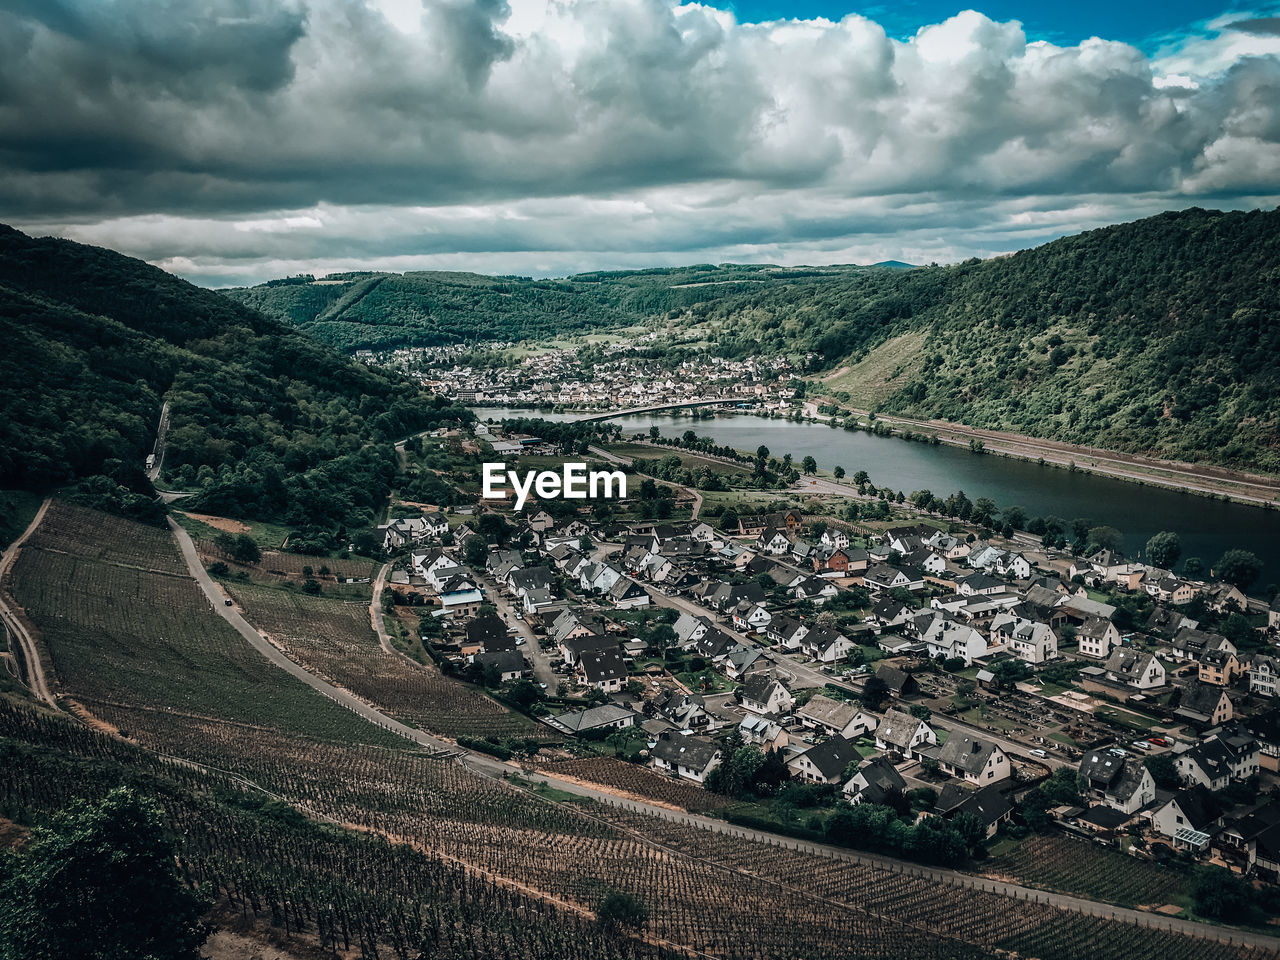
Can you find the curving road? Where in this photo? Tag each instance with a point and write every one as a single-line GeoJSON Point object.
{"type": "Point", "coordinates": [36, 681]}
{"type": "Point", "coordinates": [496, 769]}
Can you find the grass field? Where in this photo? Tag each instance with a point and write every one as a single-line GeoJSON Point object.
{"type": "Point", "coordinates": [882, 371]}
{"type": "Point", "coordinates": [124, 623]}
{"type": "Point", "coordinates": [691, 460]}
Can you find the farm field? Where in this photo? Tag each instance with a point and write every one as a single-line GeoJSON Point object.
{"type": "Point", "coordinates": [123, 623]}
{"type": "Point", "coordinates": [1068, 865]}
{"type": "Point", "coordinates": [333, 638]}
{"type": "Point", "coordinates": [637, 781]}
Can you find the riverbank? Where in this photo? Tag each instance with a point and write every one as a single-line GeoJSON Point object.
{"type": "Point", "coordinates": [1202, 479]}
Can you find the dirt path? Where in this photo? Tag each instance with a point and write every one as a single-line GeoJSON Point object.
{"type": "Point", "coordinates": [13, 619]}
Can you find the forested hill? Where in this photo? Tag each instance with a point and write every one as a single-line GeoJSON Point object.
{"type": "Point", "coordinates": [386, 310]}
{"type": "Point", "coordinates": [1158, 336]}
{"type": "Point", "coordinates": [265, 421]}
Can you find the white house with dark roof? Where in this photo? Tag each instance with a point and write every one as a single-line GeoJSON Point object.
{"type": "Point", "coordinates": [687, 757]}
{"type": "Point", "coordinates": [766, 696]}
{"type": "Point", "coordinates": [900, 732]}
{"type": "Point", "coordinates": [825, 762]}
{"type": "Point", "coordinates": [973, 759]}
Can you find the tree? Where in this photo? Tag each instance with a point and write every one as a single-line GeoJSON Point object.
{"type": "Point", "coordinates": [476, 551]}
{"type": "Point", "coordinates": [1238, 567]}
{"type": "Point", "coordinates": [1164, 771]}
{"type": "Point", "coordinates": [1193, 566]}
{"type": "Point", "coordinates": [762, 452]}
{"type": "Point", "coordinates": [809, 466]}
{"type": "Point", "coordinates": [1164, 549]}
{"type": "Point", "coordinates": [620, 909]}
{"type": "Point", "coordinates": [729, 519]}
{"type": "Point", "coordinates": [1104, 538]}
{"type": "Point", "coordinates": [245, 550]}
{"type": "Point", "coordinates": [653, 433]}
{"type": "Point", "coordinates": [99, 883]}
{"type": "Point", "coordinates": [838, 473]}
{"type": "Point", "coordinates": [873, 692]}
{"type": "Point", "coordinates": [311, 587]}
{"type": "Point", "coordinates": [1222, 895]}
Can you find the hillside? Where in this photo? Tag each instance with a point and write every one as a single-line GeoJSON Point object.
{"type": "Point", "coordinates": [1154, 337]}
{"type": "Point", "coordinates": [265, 421]}
{"type": "Point", "coordinates": [385, 310]}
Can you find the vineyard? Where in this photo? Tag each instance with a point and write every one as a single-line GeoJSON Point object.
{"type": "Point", "coordinates": [123, 622]}
{"type": "Point", "coordinates": [334, 638]}
{"type": "Point", "coordinates": [408, 855]}
{"type": "Point", "coordinates": [637, 781]}
{"type": "Point", "coordinates": [1089, 870]}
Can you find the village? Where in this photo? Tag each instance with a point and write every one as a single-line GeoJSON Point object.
{"type": "Point", "coordinates": [908, 662]}
{"type": "Point", "coordinates": [619, 378]}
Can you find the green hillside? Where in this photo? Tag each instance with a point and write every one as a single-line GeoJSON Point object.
{"type": "Point", "coordinates": [265, 421]}
{"type": "Point", "coordinates": [1155, 337]}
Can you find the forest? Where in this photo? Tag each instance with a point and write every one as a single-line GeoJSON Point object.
{"type": "Point", "coordinates": [265, 422]}
{"type": "Point", "coordinates": [1152, 337]}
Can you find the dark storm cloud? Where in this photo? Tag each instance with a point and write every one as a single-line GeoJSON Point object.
{"type": "Point", "coordinates": [1269, 26]}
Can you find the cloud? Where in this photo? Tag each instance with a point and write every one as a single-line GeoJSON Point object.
{"type": "Point", "coordinates": [256, 134]}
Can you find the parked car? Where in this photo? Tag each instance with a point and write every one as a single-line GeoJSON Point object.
{"type": "Point", "coordinates": [1142, 744]}
{"type": "Point", "coordinates": [1038, 753]}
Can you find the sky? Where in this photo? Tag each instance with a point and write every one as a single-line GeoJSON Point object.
{"type": "Point", "coordinates": [233, 141]}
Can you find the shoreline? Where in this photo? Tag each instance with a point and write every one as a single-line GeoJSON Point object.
{"type": "Point", "coordinates": [1205, 480]}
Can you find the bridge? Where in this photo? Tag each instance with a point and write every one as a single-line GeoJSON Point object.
{"type": "Point", "coordinates": [656, 407]}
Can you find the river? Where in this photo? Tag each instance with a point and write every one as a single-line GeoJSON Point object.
{"type": "Point", "coordinates": [1206, 526]}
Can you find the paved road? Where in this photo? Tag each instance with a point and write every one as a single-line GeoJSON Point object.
{"type": "Point", "coordinates": [532, 650]}
{"type": "Point", "coordinates": [496, 769]}
{"type": "Point", "coordinates": [36, 681]}
{"type": "Point", "coordinates": [162, 430]}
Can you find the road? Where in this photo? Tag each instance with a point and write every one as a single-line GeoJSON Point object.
{"type": "Point", "coordinates": [36, 681]}
{"type": "Point", "coordinates": [532, 650]}
{"type": "Point", "coordinates": [496, 769]}
{"type": "Point", "coordinates": [153, 474]}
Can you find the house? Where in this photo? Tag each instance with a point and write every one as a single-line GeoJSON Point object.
{"type": "Point", "coordinates": [1273, 614]}
{"type": "Point", "coordinates": [1170, 589]}
{"type": "Point", "coordinates": [904, 734]}
{"type": "Point", "coordinates": [900, 683]}
{"type": "Point", "coordinates": [825, 645]}
{"type": "Point", "coordinates": [460, 598]}
{"type": "Point", "coordinates": [1192, 810]}
{"type": "Point", "coordinates": [1252, 842]}
{"type": "Point", "coordinates": [763, 732]}
{"type": "Point", "coordinates": [487, 633]}
{"type": "Point", "coordinates": [786, 631]}
{"type": "Point", "coordinates": [1192, 644]}
{"type": "Point", "coordinates": [825, 762]}
{"type": "Point", "coordinates": [973, 759]}
{"type": "Point", "coordinates": [1096, 637]}
{"type": "Point", "coordinates": [987, 804]}
{"type": "Point", "coordinates": [1263, 672]}
{"type": "Point", "coordinates": [1220, 667]}
{"type": "Point", "coordinates": [1027, 640]}
{"type": "Point", "coordinates": [883, 577]}
{"type": "Point", "coordinates": [608, 716]}
{"type": "Point", "coordinates": [1225, 598]}
{"type": "Point", "coordinates": [1220, 760]}
{"type": "Point", "coordinates": [1014, 565]}
{"type": "Point", "coordinates": [625, 593]}
{"type": "Point", "coordinates": [687, 757]}
{"type": "Point", "coordinates": [817, 589]}
{"type": "Point", "coordinates": [979, 584]}
{"type": "Point", "coordinates": [876, 781]}
{"type": "Point", "coordinates": [773, 542]}
{"type": "Point", "coordinates": [405, 531]}
{"type": "Point", "coordinates": [949, 640]}
{"type": "Point", "coordinates": [748, 616]}
{"type": "Point", "coordinates": [835, 717]}
{"type": "Point", "coordinates": [689, 628]}
{"type": "Point", "coordinates": [765, 695]}
{"type": "Point", "coordinates": [887, 612]}
{"type": "Point", "coordinates": [1120, 782]}
{"type": "Point", "coordinates": [1204, 705]}
{"type": "Point", "coordinates": [508, 664]}
{"type": "Point", "coordinates": [603, 669]}
{"type": "Point", "coordinates": [686, 711]}
{"type": "Point", "coordinates": [1134, 668]}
